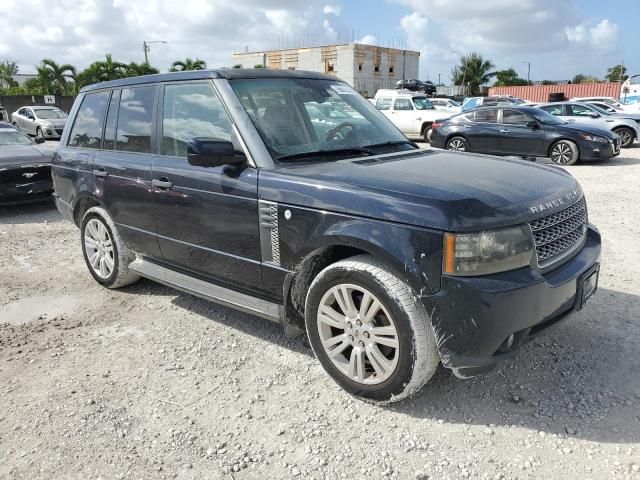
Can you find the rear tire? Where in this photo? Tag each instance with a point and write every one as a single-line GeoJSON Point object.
{"type": "Point", "coordinates": [457, 144]}
{"type": "Point", "coordinates": [627, 136]}
{"type": "Point", "coordinates": [564, 152]}
{"type": "Point", "coordinates": [370, 331]}
{"type": "Point", "coordinates": [104, 251]}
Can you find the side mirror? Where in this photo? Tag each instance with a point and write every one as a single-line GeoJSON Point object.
{"type": "Point", "coordinates": [594, 115]}
{"type": "Point", "coordinates": [39, 140]}
{"type": "Point", "coordinates": [209, 152]}
{"type": "Point", "coordinates": [533, 124]}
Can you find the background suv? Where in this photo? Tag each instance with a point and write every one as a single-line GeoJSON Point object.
{"type": "Point", "coordinates": [416, 86]}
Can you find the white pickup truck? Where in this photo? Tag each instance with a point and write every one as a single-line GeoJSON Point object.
{"type": "Point", "coordinates": [412, 112]}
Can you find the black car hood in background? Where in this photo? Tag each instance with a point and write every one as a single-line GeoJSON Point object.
{"type": "Point", "coordinates": [441, 190]}
{"type": "Point", "coordinates": [16, 155]}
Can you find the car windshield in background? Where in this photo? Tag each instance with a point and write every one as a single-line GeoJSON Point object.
{"type": "Point", "coordinates": [49, 113]}
{"type": "Point", "coordinates": [422, 103]}
{"type": "Point", "coordinates": [545, 117]}
{"type": "Point", "coordinates": [13, 137]}
{"type": "Point", "coordinates": [600, 110]}
{"type": "Point", "coordinates": [316, 120]}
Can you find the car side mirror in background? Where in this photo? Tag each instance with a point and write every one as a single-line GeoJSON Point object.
{"type": "Point", "coordinates": [210, 152]}
{"type": "Point", "coordinates": [39, 140]}
{"type": "Point", "coordinates": [594, 115]}
{"type": "Point", "coordinates": [533, 124]}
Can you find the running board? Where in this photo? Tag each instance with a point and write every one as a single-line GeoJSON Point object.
{"type": "Point", "coordinates": [206, 290]}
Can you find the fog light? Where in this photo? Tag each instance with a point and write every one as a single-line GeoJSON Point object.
{"type": "Point", "coordinates": [48, 132]}
{"type": "Point", "coordinates": [507, 344]}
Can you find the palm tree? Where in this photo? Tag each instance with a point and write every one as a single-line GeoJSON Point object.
{"type": "Point", "coordinates": [57, 77]}
{"type": "Point", "coordinates": [137, 69]}
{"type": "Point", "coordinates": [188, 64]}
{"type": "Point", "coordinates": [110, 69]}
{"type": "Point", "coordinates": [7, 71]}
{"type": "Point", "coordinates": [473, 71]}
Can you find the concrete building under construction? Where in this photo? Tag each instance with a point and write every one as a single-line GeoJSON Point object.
{"type": "Point", "coordinates": [365, 67]}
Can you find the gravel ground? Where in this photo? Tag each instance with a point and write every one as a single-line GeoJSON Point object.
{"type": "Point", "coordinates": [146, 382]}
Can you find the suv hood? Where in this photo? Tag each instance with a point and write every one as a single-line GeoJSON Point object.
{"type": "Point", "coordinates": [433, 189]}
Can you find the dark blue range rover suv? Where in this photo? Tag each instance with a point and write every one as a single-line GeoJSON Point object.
{"type": "Point", "coordinates": [289, 196]}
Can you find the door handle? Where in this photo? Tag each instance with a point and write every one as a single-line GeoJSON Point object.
{"type": "Point", "coordinates": [504, 131]}
{"type": "Point", "coordinates": [162, 183]}
{"type": "Point", "coordinates": [100, 172]}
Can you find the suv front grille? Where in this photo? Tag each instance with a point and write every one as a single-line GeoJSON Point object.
{"type": "Point", "coordinates": [559, 233]}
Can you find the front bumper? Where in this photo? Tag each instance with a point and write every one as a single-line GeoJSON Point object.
{"type": "Point", "coordinates": [51, 132]}
{"type": "Point", "coordinates": [474, 316]}
{"type": "Point", "coordinates": [599, 151]}
{"type": "Point", "coordinates": [11, 194]}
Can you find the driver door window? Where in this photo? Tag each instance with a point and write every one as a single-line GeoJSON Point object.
{"type": "Point", "coordinates": [402, 104]}
{"type": "Point", "coordinates": [578, 111]}
{"type": "Point", "coordinates": [192, 110]}
{"type": "Point", "coordinates": [514, 117]}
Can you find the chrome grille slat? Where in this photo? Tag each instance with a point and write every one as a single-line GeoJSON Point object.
{"type": "Point", "coordinates": [559, 233]}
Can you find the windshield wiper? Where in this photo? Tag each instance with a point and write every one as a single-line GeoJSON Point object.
{"type": "Point", "coordinates": [393, 142]}
{"type": "Point", "coordinates": [326, 153]}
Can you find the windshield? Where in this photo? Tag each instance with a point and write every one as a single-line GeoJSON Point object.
{"type": "Point", "coordinates": [598, 109]}
{"type": "Point", "coordinates": [545, 117]}
{"type": "Point", "coordinates": [13, 137]}
{"type": "Point", "coordinates": [306, 118]}
{"type": "Point", "coordinates": [421, 103]}
{"type": "Point", "coordinates": [49, 113]}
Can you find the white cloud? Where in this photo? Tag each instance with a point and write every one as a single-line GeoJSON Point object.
{"type": "Point", "coordinates": [368, 40]}
{"type": "Point", "coordinates": [332, 9]}
{"type": "Point", "coordinates": [329, 31]}
{"type": "Point", "coordinates": [82, 31]}
{"type": "Point", "coordinates": [604, 35]}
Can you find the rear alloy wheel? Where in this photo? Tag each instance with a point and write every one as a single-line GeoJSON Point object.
{"type": "Point", "coordinates": [457, 144]}
{"type": "Point", "coordinates": [368, 330]}
{"type": "Point", "coordinates": [564, 152]}
{"type": "Point", "coordinates": [626, 136]}
{"type": "Point", "coordinates": [105, 252]}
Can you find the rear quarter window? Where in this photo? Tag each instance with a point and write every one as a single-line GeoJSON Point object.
{"type": "Point", "coordinates": [383, 103]}
{"type": "Point", "coordinates": [87, 126]}
{"type": "Point", "coordinates": [133, 132]}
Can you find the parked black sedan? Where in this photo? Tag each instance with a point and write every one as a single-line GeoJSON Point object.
{"type": "Point", "coordinates": [25, 169]}
{"type": "Point", "coordinates": [523, 131]}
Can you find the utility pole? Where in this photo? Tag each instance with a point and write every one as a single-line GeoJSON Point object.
{"type": "Point", "coordinates": [145, 47]}
{"type": "Point", "coordinates": [528, 71]}
{"type": "Point", "coordinates": [438, 79]}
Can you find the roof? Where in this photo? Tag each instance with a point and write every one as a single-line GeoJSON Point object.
{"type": "Point", "coordinates": [228, 73]}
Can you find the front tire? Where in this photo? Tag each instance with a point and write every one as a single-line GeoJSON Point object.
{"type": "Point", "coordinates": [627, 136]}
{"type": "Point", "coordinates": [40, 133]}
{"type": "Point", "coordinates": [369, 331]}
{"type": "Point", "coordinates": [457, 144]}
{"type": "Point", "coordinates": [104, 251]}
{"type": "Point", "coordinates": [426, 133]}
{"type": "Point", "coordinates": [564, 152]}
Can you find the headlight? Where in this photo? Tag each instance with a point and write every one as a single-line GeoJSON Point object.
{"type": "Point", "coordinates": [486, 252]}
{"type": "Point", "coordinates": [593, 138]}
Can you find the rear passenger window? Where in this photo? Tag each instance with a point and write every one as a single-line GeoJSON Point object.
{"type": "Point", "coordinates": [87, 126]}
{"type": "Point", "coordinates": [134, 119]}
{"type": "Point", "coordinates": [109, 142]}
{"type": "Point", "coordinates": [486, 116]}
{"type": "Point", "coordinates": [383, 104]}
{"type": "Point", "coordinates": [191, 110]}
{"type": "Point", "coordinates": [514, 117]}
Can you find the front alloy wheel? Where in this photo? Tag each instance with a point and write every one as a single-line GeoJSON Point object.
{"type": "Point", "coordinates": [564, 152]}
{"type": "Point", "coordinates": [369, 331]}
{"type": "Point", "coordinates": [358, 334]}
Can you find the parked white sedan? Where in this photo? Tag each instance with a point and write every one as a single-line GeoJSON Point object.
{"type": "Point", "coordinates": [447, 105]}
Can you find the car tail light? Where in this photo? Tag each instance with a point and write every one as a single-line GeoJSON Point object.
{"type": "Point", "coordinates": [435, 125]}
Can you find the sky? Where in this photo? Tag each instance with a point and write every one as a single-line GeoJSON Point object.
{"type": "Point", "coordinates": [559, 38]}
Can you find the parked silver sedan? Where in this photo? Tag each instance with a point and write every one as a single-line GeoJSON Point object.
{"type": "Point", "coordinates": [584, 114]}
{"type": "Point", "coordinates": [41, 121]}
